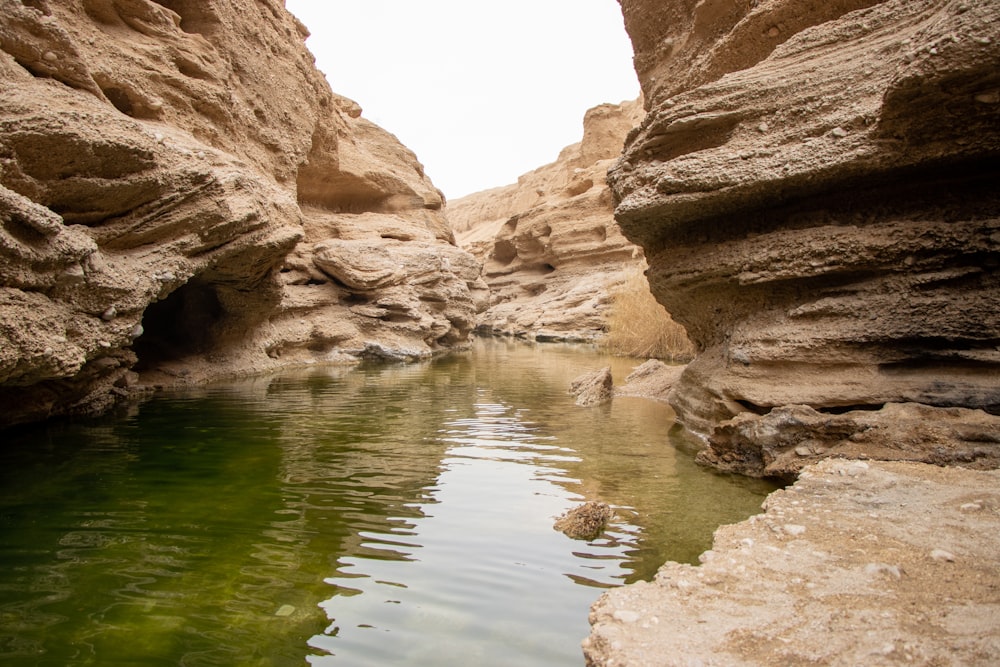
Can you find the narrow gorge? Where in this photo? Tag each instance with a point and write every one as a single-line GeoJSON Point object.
{"type": "Point", "coordinates": [809, 188]}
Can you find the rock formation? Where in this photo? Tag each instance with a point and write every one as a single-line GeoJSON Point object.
{"type": "Point", "coordinates": [181, 194]}
{"type": "Point", "coordinates": [858, 563]}
{"type": "Point", "coordinates": [551, 250]}
{"type": "Point", "coordinates": [815, 190]}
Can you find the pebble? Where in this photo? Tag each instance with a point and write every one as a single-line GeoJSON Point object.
{"type": "Point", "coordinates": [941, 554]}
{"type": "Point", "coordinates": [880, 568]}
{"type": "Point", "coordinates": [838, 132]}
{"type": "Point", "coordinates": [50, 56]}
{"type": "Point", "coordinates": [970, 507]}
{"type": "Point", "coordinates": [802, 450]}
{"type": "Point", "coordinates": [137, 331]}
{"type": "Point", "coordinates": [988, 98]}
{"type": "Point", "coordinates": [109, 314]}
{"type": "Point", "coordinates": [794, 529]}
{"type": "Point", "coordinates": [626, 616]}
{"type": "Point", "coordinates": [285, 610]}
{"type": "Point", "coordinates": [763, 127]}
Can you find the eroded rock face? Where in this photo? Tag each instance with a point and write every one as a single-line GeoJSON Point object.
{"type": "Point", "coordinates": [551, 249]}
{"type": "Point", "coordinates": [174, 179]}
{"type": "Point", "coordinates": [815, 191]}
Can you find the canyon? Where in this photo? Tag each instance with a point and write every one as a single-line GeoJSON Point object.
{"type": "Point", "coordinates": [551, 251]}
{"type": "Point", "coordinates": [183, 197]}
{"type": "Point", "coordinates": [812, 186]}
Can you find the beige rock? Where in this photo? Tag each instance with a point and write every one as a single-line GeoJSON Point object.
{"type": "Point", "coordinates": [858, 563]}
{"type": "Point", "coordinates": [593, 388]}
{"type": "Point", "coordinates": [166, 172]}
{"type": "Point", "coordinates": [652, 379]}
{"type": "Point", "coordinates": [814, 190]}
{"type": "Point", "coordinates": [551, 250]}
{"type": "Point", "coordinates": [784, 440]}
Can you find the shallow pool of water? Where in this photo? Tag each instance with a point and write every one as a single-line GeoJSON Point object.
{"type": "Point", "coordinates": [386, 515]}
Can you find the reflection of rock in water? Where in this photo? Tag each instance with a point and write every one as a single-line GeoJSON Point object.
{"type": "Point", "coordinates": [585, 522]}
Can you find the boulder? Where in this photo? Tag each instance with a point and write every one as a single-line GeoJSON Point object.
{"type": "Point", "coordinates": [593, 388]}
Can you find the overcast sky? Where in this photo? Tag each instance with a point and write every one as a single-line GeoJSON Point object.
{"type": "Point", "coordinates": [481, 91]}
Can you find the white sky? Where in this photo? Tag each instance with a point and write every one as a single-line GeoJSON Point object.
{"type": "Point", "coordinates": [481, 90]}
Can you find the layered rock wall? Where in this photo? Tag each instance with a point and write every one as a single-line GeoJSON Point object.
{"type": "Point", "coordinates": [552, 253]}
{"type": "Point", "coordinates": [815, 189]}
{"type": "Point", "coordinates": [182, 195]}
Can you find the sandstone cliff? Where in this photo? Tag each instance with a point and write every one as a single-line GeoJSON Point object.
{"type": "Point", "coordinates": [551, 251]}
{"type": "Point", "coordinates": [815, 190]}
{"type": "Point", "coordinates": [182, 195]}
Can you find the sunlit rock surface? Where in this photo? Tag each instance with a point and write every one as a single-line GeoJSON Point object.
{"type": "Point", "coordinates": [175, 177]}
{"type": "Point", "coordinates": [815, 189]}
{"type": "Point", "coordinates": [551, 250]}
{"type": "Point", "coordinates": [858, 563]}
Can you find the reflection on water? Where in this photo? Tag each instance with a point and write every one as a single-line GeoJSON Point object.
{"type": "Point", "coordinates": [396, 515]}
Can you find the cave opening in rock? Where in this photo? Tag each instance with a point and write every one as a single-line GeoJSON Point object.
{"type": "Point", "coordinates": [181, 325]}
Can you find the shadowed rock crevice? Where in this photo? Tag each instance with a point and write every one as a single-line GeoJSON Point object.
{"type": "Point", "coordinates": [179, 326]}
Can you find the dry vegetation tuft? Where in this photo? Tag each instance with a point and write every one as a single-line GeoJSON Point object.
{"type": "Point", "coordinates": [638, 326]}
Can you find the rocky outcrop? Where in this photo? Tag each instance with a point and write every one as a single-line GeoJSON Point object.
{"type": "Point", "coordinates": [594, 388]}
{"type": "Point", "coordinates": [814, 188]}
{"type": "Point", "coordinates": [182, 195]}
{"type": "Point", "coordinates": [856, 564]}
{"type": "Point", "coordinates": [551, 250]}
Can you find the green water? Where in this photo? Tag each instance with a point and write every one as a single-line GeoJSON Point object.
{"type": "Point", "coordinates": [389, 515]}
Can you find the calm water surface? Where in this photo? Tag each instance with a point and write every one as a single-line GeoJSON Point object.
{"type": "Point", "coordinates": [388, 515]}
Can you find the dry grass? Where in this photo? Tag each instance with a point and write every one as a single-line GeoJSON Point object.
{"type": "Point", "coordinates": [638, 326]}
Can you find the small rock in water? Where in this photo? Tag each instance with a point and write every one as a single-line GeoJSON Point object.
{"type": "Point", "coordinates": [585, 522]}
{"type": "Point", "coordinates": [593, 388]}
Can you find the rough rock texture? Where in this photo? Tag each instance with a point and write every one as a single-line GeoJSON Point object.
{"type": "Point", "coordinates": [181, 194]}
{"type": "Point", "coordinates": [779, 443]}
{"type": "Point", "coordinates": [551, 250]}
{"type": "Point", "coordinates": [815, 190]}
{"type": "Point", "coordinates": [652, 379]}
{"type": "Point", "coordinates": [856, 564]}
{"type": "Point", "coordinates": [593, 388]}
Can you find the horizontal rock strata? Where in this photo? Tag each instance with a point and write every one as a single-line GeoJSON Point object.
{"type": "Point", "coordinates": [814, 188]}
{"type": "Point", "coordinates": [552, 253]}
{"type": "Point", "coordinates": [178, 186]}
